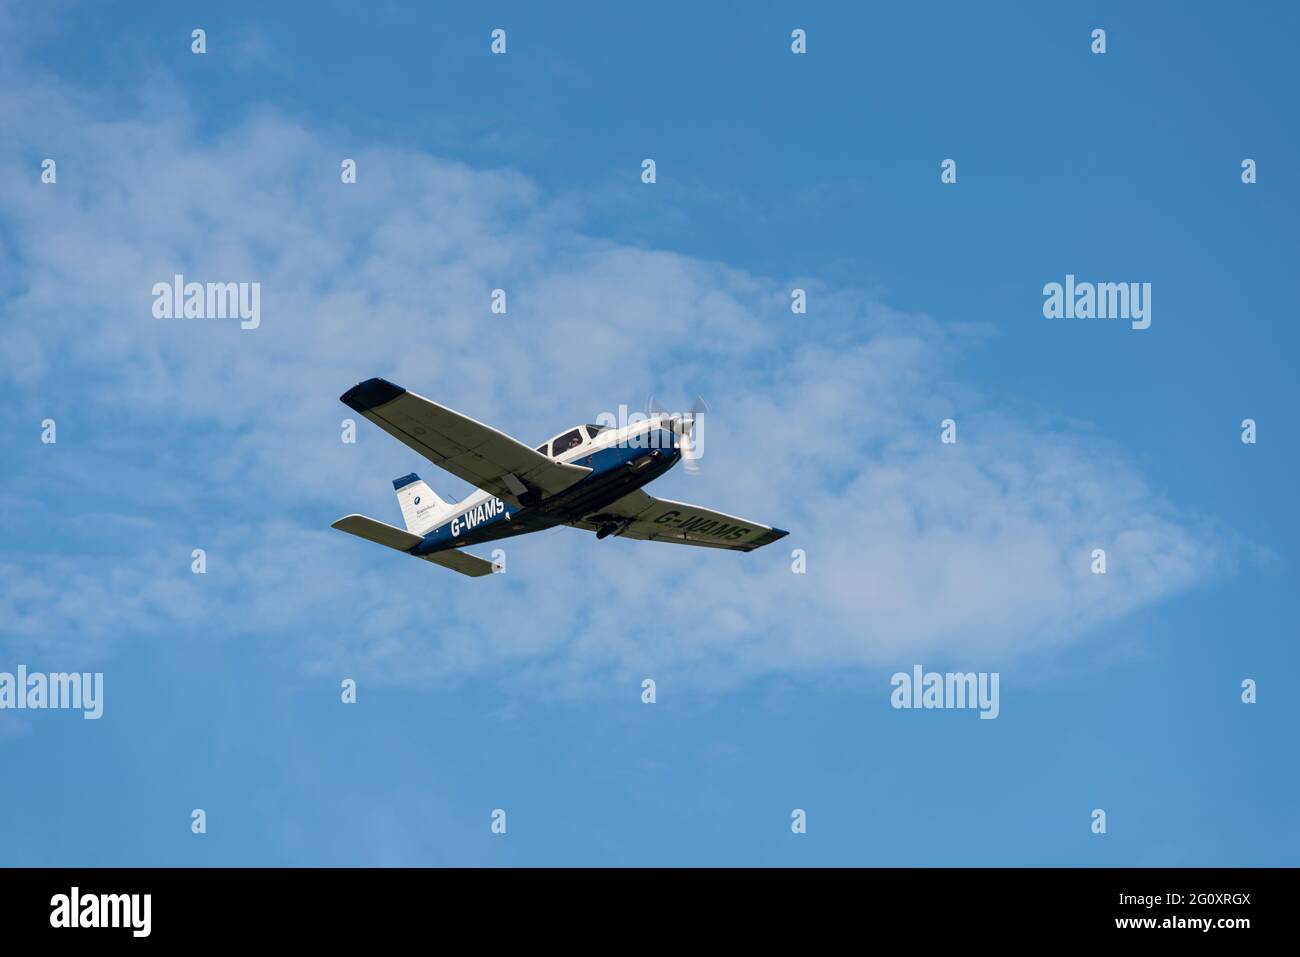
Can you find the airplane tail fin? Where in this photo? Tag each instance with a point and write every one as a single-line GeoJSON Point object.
{"type": "Point", "coordinates": [422, 509]}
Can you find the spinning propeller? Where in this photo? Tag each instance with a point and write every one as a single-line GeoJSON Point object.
{"type": "Point", "coordinates": [689, 429]}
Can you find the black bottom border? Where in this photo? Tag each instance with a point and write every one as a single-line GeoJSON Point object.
{"type": "Point", "coordinates": [337, 905]}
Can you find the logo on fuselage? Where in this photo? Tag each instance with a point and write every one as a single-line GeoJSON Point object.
{"type": "Point", "coordinates": [476, 516]}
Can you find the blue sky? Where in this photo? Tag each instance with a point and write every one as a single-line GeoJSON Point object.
{"type": "Point", "coordinates": [775, 171]}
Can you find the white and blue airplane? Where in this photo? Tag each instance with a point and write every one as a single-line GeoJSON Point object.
{"type": "Point", "coordinates": [589, 477]}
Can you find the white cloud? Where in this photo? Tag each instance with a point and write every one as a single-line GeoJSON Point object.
{"type": "Point", "coordinates": [210, 436]}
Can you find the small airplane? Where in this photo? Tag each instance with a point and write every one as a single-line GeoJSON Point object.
{"type": "Point", "coordinates": [589, 477]}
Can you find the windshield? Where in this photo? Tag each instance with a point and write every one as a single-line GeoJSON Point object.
{"type": "Point", "coordinates": [566, 442]}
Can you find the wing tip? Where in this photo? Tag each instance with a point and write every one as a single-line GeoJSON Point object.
{"type": "Point", "coordinates": [367, 395]}
{"type": "Point", "coordinates": [768, 537]}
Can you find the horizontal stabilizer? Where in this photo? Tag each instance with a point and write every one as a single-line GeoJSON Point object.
{"type": "Point", "coordinates": [462, 562]}
{"type": "Point", "coordinates": [376, 531]}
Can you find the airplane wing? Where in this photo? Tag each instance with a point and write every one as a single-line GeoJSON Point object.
{"type": "Point", "coordinates": [373, 530]}
{"type": "Point", "coordinates": [470, 450]}
{"type": "Point", "coordinates": [663, 520]}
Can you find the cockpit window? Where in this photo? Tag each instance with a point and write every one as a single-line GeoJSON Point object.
{"type": "Point", "coordinates": [543, 447]}
{"type": "Point", "coordinates": [595, 430]}
{"type": "Point", "coordinates": [567, 442]}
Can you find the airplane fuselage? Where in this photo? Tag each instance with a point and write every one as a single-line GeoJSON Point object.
{"type": "Point", "coordinates": [616, 470]}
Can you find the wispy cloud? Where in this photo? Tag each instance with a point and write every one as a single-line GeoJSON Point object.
{"type": "Point", "coordinates": [198, 434]}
